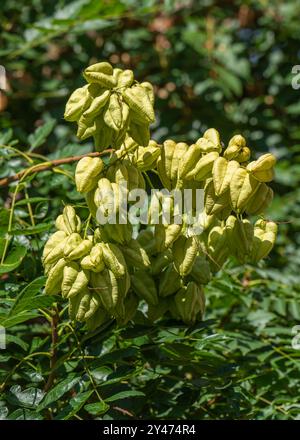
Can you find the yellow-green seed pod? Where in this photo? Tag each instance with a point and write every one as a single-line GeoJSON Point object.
{"type": "Point", "coordinates": [76, 247]}
{"type": "Point", "coordinates": [135, 255]}
{"type": "Point", "coordinates": [77, 104]}
{"type": "Point", "coordinates": [144, 157]}
{"type": "Point", "coordinates": [237, 149]}
{"type": "Point", "coordinates": [262, 168]}
{"type": "Point", "coordinates": [164, 163]}
{"type": "Point", "coordinates": [74, 280]}
{"type": "Point", "coordinates": [96, 106]}
{"type": "Point", "coordinates": [260, 200]}
{"type": "Point", "coordinates": [210, 141]}
{"type": "Point", "coordinates": [141, 108]}
{"type": "Point", "coordinates": [166, 235]}
{"type": "Point", "coordinates": [170, 281]}
{"type": "Point", "coordinates": [189, 161]}
{"type": "Point", "coordinates": [190, 303]}
{"type": "Point", "coordinates": [54, 248]}
{"type": "Point", "coordinates": [114, 259]}
{"type": "Point", "coordinates": [100, 73]}
{"type": "Point", "coordinates": [144, 286]}
{"type": "Point", "coordinates": [89, 197]}
{"type": "Point", "coordinates": [131, 303]}
{"type": "Point", "coordinates": [68, 222]}
{"type": "Point", "coordinates": [179, 151]}
{"type": "Point", "coordinates": [214, 204]}
{"type": "Point", "coordinates": [103, 135]}
{"type": "Point", "coordinates": [265, 233]}
{"type": "Point", "coordinates": [149, 90]}
{"type": "Point", "coordinates": [139, 133]}
{"type": "Point", "coordinates": [94, 261]}
{"type": "Point", "coordinates": [218, 250]}
{"type": "Point", "coordinates": [201, 270]}
{"type": "Point", "coordinates": [222, 173]}
{"type": "Point", "coordinates": [55, 277]}
{"type": "Point", "coordinates": [203, 168]}
{"type": "Point", "coordinates": [116, 113]}
{"type": "Point", "coordinates": [106, 286]}
{"type": "Point", "coordinates": [87, 173]}
{"type": "Point", "coordinates": [184, 254]}
{"type": "Point", "coordinates": [239, 237]}
{"type": "Point", "coordinates": [243, 186]}
{"type": "Point", "coordinates": [125, 78]}
{"type": "Point", "coordinates": [86, 128]}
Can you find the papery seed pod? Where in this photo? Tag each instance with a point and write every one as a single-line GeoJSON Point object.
{"type": "Point", "coordinates": [87, 173]}
{"type": "Point", "coordinates": [243, 186]}
{"type": "Point", "coordinates": [135, 255]}
{"type": "Point", "coordinates": [144, 157]}
{"type": "Point", "coordinates": [190, 303]}
{"type": "Point", "coordinates": [184, 254]}
{"type": "Point", "coordinates": [141, 108]}
{"type": "Point", "coordinates": [104, 197]}
{"type": "Point", "coordinates": [239, 237]}
{"type": "Point", "coordinates": [203, 169]}
{"type": "Point", "coordinates": [159, 310]}
{"type": "Point", "coordinates": [54, 248]}
{"type": "Point", "coordinates": [100, 73]}
{"type": "Point", "coordinates": [68, 222]}
{"type": "Point", "coordinates": [94, 261]}
{"type": "Point", "coordinates": [179, 151]}
{"type": "Point", "coordinates": [210, 142]}
{"type": "Point", "coordinates": [166, 235]}
{"type": "Point", "coordinates": [103, 135]}
{"type": "Point", "coordinates": [106, 286]}
{"type": "Point", "coordinates": [117, 233]}
{"type": "Point", "coordinates": [222, 173]}
{"type": "Point", "coordinates": [149, 90]}
{"type": "Point", "coordinates": [125, 78]}
{"type": "Point", "coordinates": [55, 277]}
{"type": "Point", "coordinates": [265, 233]}
{"type": "Point", "coordinates": [96, 106]}
{"type": "Point", "coordinates": [201, 270]}
{"type": "Point", "coordinates": [76, 247]}
{"type": "Point", "coordinates": [213, 203]}
{"type": "Point", "coordinates": [77, 104]}
{"type": "Point", "coordinates": [74, 280]}
{"type": "Point", "coordinates": [114, 259]}
{"type": "Point", "coordinates": [237, 149]}
{"type": "Point", "coordinates": [170, 281]}
{"type": "Point", "coordinates": [131, 303]}
{"type": "Point", "coordinates": [116, 113]}
{"type": "Point", "coordinates": [262, 168]}
{"type": "Point", "coordinates": [260, 200]}
{"type": "Point", "coordinates": [89, 197]}
{"type": "Point", "coordinates": [189, 161]}
{"type": "Point", "coordinates": [144, 286]}
{"type": "Point", "coordinates": [164, 163]}
{"type": "Point", "coordinates": [86, 128]}
{"type": "Point", "coordinates": [147, 240]}
{"type": "Point", "coordinates": [94, 305]}
{"type": "Point", "coordinates": [161, 261]}
{"type": "Point", "coordinates": [218, 250]}
{"type": "Point", "coordinates": [98, 319]}
{"type": "Point", "coordinates": [139, 133]}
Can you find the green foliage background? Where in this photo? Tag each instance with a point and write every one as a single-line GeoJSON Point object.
{"type": "Point", "coordinates": [217, 64]}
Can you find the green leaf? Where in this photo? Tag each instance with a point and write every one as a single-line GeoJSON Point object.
{"type": "Point", "coordinates": [75, 404]}
{"type": "Point", "coordinates": [59, 390]}
{"type": "Point", "coordinates": [18, 319]}
{"type": "Point", "coordinates": [28, 398]}
{"type": "Point", "coordinates": [40, 135]}
{"type": "Point", "coordinates": [32, 200]}
{"type": "Point", "coordinates": [27, 293]}
{"type": "Point", "coordinates": [124, 395]}
{"type": "Point", "coordinates": [13, 260]}
{"type": "Point", "coordinates": [97, 409]}
{"type": "Point", "coordinates": [32, 230]}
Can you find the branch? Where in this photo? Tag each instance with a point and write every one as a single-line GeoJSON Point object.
{"type": "Point", "coordinates": [53, 351]}
{"type": "Point", "coordinates": [47, 165]}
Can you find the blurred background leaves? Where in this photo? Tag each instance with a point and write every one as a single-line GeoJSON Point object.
{"type": "Point", "coordinates": [217, 64]}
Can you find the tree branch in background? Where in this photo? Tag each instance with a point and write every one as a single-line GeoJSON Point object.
{"type": "Point", "coordinates": [47, 165]}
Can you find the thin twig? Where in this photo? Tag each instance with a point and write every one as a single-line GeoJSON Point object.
{"type": "Point", "coordinates": [47, 165]}
{"type": "Point", "coordinates": [53, 351]}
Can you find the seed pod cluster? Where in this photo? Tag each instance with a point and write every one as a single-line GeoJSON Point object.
{"type": "Point", "coordinates": [111, 105]}
{"type": "Point", "coordinates": [106, 271]}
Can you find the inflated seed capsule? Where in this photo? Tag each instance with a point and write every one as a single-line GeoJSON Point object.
{"type": "Point", "coordinates": [190, 303]}
{"type": "Point", "coordinates": [184, 254]}
{"type": "Point", "coordinates": [78, 102]}
{"type": "Point", "coordinates": [87, 173]}
{"type": "Point", "coordinates": [242, 187]}
{"type": "Point", "coordinates": [265, 233]}
{"type": "Point", "coordinates": [144, 286]}
{"type": "Point", "coordinates": [262, 168]}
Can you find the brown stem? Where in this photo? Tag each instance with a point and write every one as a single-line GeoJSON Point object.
{"type": "Point", "coordinates": [50, 164]}
{"type": "Point", "coordinates": [53, 351]}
